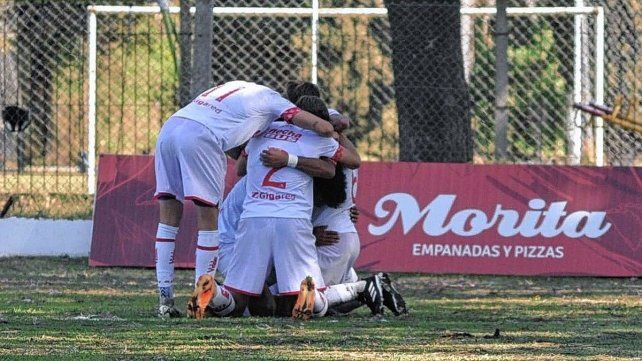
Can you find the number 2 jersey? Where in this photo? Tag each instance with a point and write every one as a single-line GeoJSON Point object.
{"type": "Point", "coordinates": [236, 110]}
{"type": "Point", "coordinates": [284, 192]}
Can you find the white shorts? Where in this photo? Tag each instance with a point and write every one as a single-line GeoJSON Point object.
{"type": "Point", "coordinates": [263, 242]}
{"type": "Point", "coordinates": [225, 252]}
{"type": "Point", "coordinates": [336, 260]}
{"type": "Point", "coordinates": [190, 164]}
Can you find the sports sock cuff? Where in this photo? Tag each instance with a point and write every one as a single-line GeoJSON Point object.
{"type": "Point", "coordinates": [320, 304]}
{"type": "Point", "coordinates": [223, 302]}
{"type": "Point", "coordinates": [166, 232]}
{"type": "Point", "coordinates": [208, 239]}
{"type": "Point", "coordinates": [166, 292]}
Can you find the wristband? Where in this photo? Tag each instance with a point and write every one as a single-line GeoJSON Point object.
{"type": "Point", "coordinates": [293, 160]}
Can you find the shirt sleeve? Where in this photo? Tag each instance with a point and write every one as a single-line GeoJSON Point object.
{"type": "Point", "coordinates": [330, 148]}
{"type": "Point", "coordinates": [279, 107]}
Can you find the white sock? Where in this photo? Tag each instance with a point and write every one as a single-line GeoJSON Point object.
{"type": "Point", "coordinates": [223, 303]}
{"type": "Point", "coordinates": [165, 244]}
{"type": "Point", "coordinates": [344, 292]}
{"type": "Point", "coordinates": [320, 304]}
{"type": "Point", "coordinates": [206, 253]}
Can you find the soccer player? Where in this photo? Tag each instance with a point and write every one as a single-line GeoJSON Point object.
{"type": "Point", "coordinates": [333, 222]}
{"type": "Point", "coordinates": [275, 228]}
{"type": "Point", "coordinates": [190, 164]}
{"type": "Point", "coordinates": [338, 243]}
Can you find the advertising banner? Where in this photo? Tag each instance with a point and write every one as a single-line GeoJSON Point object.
{"type": "Point", "coordinates": [427, 217]}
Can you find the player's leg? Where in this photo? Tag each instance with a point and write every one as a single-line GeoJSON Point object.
{"type": "Point", "coordinates": [295, 259]}
{"type": "Point", "coordinates": [391, 297]}
{"type": "Point", "coordinates": [375, 291]}
{"type": "Point", "coordinates": [337, 259]}
{"type": "Point", "coordinates": [170, 215]}
{"type": "Point", "coordinates": [225, 252]}
{"type": "Point", "coordinates": [203, 167]}
{"type": "Point", "coordinates": [168, 188]}
{"type": "Point", "coordinates": [207, 244]}
{"type": "Point", "coordinates": [264, 305]}
{"type": "Point", "coordinates": [250, 264]}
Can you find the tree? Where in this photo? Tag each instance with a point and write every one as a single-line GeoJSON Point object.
{"type": "Point", "coordinates": [185, 45]}
{"type": "Point", "coordinates": [202, 62]}
{"type": "Point", "coordinates": [431, 93]}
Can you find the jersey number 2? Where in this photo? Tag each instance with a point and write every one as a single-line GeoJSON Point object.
{"type": "Point", "coordinates": [270, 183]}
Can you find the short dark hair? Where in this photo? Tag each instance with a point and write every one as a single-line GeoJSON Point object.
{"type": "Point", "coordinates": [296, 89]}
{"type": "Point", "coordinates": [314, 105]}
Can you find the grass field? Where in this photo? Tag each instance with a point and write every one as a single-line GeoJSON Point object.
{"type": "Point", "coordinates": [59, 308]}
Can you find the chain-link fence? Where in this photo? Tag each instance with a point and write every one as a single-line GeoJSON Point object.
{"type": "Point", "coordinates": [417, 78]}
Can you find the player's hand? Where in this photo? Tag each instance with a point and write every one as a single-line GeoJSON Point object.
{"type": "Point", "coordinates": [354, 214]}
{"type": "Point", "coordinates": [340, 123]}
{"type": "Point", "coordinates": [325, 237]}
{"type": "Point", "coordinates": [274, 158]}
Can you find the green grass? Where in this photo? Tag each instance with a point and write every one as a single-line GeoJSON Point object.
{"type": "Point", "coordinates": [59, 308]}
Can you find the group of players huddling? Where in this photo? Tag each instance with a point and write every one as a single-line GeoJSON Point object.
{"type": "Point", "coordinates": [298, 170]}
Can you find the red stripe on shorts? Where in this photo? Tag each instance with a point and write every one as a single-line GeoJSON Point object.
{"type": "Point", "coordinates": [293, 293]}
{"type": "Point", "coordinates": [163, 194]}
{"type": "Point", "coordinates": [235, 290]}
{"type": "Point", "coordinates": [195, 198]}
{"type": "Point", "coordinates": [165, 240]}
{"type": "Point", "coordinates": [204, 248]}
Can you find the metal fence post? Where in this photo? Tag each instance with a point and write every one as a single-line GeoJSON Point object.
{"type": "Point", "coordinates": [91, 104]}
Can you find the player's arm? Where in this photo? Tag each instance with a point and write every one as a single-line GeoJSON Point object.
{"type": "Point", "coordinates": [241, 164]}
{"type": "Point", "coordinates": [310, 121]}
{"type": "Point", "coordinates": [278, 158]}
{"type": "Point", "coordinates": [348, 155]}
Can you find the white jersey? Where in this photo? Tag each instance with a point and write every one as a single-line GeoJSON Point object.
{"type": "Point", "coordinates": [284, 192]}
{"type": "Point", "coordinates": [338, 219]}
{"type": "Point", "coordinates": [230, 212]}
{"type": "Point", "coordinates": [236, 110]}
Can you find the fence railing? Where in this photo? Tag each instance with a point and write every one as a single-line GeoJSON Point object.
{"type": "Point", "coordinates": [108, 81]}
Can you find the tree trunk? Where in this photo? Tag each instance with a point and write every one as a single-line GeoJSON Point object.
{"type": "Point", "coordinates": [432, 97]}
{"type": "Point", "coordinates": [501, 81]}
{"type": "Point", "coordinates": [35, 76]}
{"type": "Point", "coordinates": [185, 44]}
{"type": "Point", "coordinates": [202, 65]}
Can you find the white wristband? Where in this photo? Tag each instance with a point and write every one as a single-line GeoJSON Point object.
{"type": "Point", "coordinates": [293, 160]}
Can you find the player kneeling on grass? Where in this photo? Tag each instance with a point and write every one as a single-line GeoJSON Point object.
{"type": "Point", "coordinates": [337, 239]}
{"type": "Point", "coordinates": [190, 164]}
{"type": "Point", "coordinates": [338, 243]}
{"type": "Point", "coordinates": [276, 230]}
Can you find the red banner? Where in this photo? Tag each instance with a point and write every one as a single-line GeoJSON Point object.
{"type": "Point", "coordinates": [435, 218]}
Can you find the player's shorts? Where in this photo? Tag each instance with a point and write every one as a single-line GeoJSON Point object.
{"type": "Point", "coordinates": [286, 243]}
{"type": "Point", "coordinates": [336, 260]}
{"type": "Point", "coordinates": [190, 164]}
{"type": "Point", "coordinates": [225, 252]}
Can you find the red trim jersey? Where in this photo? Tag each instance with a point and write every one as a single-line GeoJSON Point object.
{"type": "Point", "coordinates": [284, 192]}
{"type": "Point", "coordinates": [236, 110]}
